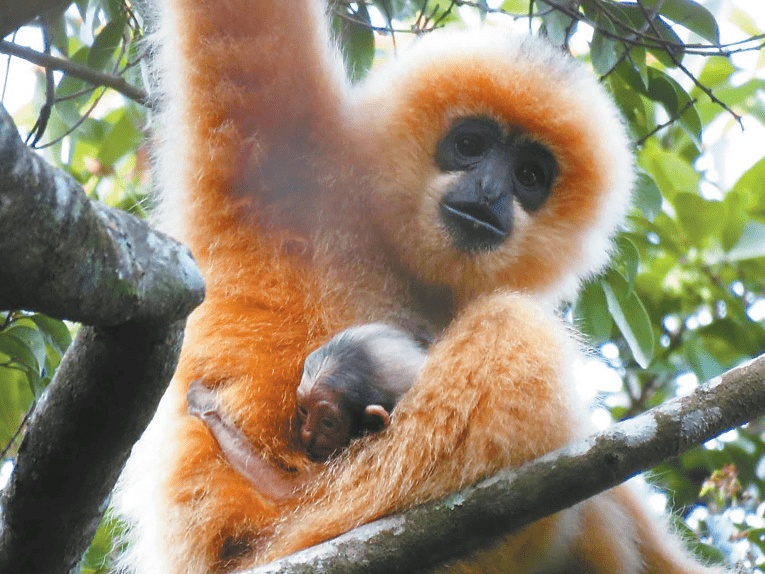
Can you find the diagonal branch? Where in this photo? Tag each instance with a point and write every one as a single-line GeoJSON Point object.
{"type": "Point", "coordinates": [433, 533]}
{"type": "Point", "coordinates": [76, 70]}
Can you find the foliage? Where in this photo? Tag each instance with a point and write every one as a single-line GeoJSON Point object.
{"type": "Point", "coordinates": [31, 347]}
{"type": "Point", "coordinates": [682, 302]}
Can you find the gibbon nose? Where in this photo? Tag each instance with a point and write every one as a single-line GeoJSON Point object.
{"type": "Point", "coordinates": [306, 434]}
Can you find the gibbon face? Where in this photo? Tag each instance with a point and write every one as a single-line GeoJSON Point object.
{"type": "Point", "coordinates": [496, 171]}
{"type": "Point", "coordinates": [514, 178]}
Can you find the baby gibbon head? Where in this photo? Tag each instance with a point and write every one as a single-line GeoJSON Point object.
{"type": "Point", "coordinates": [501, 163]}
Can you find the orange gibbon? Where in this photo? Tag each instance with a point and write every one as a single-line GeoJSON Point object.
{"type": "Point", "coordinates": [461, 192]}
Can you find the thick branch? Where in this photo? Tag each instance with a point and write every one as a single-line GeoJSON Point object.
{"type": "Point", "coordinates": [72, 258]}
{"type": "Point", "coordinates": [14, 14]}
{"type": "Point", "coordinates": [433, 533]}
{"type": "Point", "coordinates": [66, 256]}
{"type": "Point", "coordinates": [102, 397]}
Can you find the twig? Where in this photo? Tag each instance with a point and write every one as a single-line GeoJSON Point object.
{"type": "Point", "coordinates": [689, 104]}
{"type": "Point", "coordinates": [77, 70]}
{"type": "Point", "coordinates": [650, 18]}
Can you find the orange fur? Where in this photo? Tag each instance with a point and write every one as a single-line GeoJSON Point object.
{"type": "Point", "coordinates": [310, 206]}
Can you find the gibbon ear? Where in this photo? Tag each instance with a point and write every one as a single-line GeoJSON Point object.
{"type": "Point", "coordinates": [376, 418]}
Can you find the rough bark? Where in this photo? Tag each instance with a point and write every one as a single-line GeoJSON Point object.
{"type": "Point", "coordinates": [68, 257]}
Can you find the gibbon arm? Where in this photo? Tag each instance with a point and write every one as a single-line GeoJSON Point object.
{"type": "Point", "coordinates": [508, 401]}
{"type": "Point", "coordinates": [270, 480]}
{"type": "Point", "coordinates": [504, 360]}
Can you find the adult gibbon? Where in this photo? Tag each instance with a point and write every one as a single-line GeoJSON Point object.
{"type": "Point", "coordinates": [461, 192]}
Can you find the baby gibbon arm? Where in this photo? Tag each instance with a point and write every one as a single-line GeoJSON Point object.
{"type": "Point", "coordinates": [270, 480]}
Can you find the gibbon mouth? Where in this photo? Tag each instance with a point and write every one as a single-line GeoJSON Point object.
{"type": "Point", "coordinates": [473, 226]}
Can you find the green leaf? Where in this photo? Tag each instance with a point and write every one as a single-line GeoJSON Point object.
{"type": "Point", "coordinates": [740, 335]}
{"type": "Point", "coordinates": [33, 339]}
{"type": "Point", "coordinates": [100, 554]}
{"type": "Point", "coordinates": [56, 28]}
{"type": "Point", "coordinates": [745, 22]}
{"type": "Point", "coordinates": [659, 85]}
{"type": "Point", "coordinates": [751, 244]}
{"type": "Point", "coordinates": [752, 185]}
{"type": "Point", "coordinates": [717, 69]}
{"type": "Point", "coordinates": [667, 36]}
{"type": "Point", "coordinates": [637, 58]}
{"type": "Point", "coordinates": [357, 39]}
{"type": "Point", "coordinates": [735, 220]}
{"type": "Point", "coordinates": [70, 85]}
{"type": "Point", "coordinates": [703, 364]}
{"type": "Point", "coordinates": [56, 332]}
{"type": "Point", "coordinates": [699, 217]}
{"type": "Point", "coordinates": [690, 15]}
{"type": "Point", "coordinates": [556, 25]}
{"type": "Point", "coordinates": [591, 314]}
{"type": "Point", "coordinates": [15, 399]}
{"type": "Point", "coordinates": [628, 259]}
{"type": "Point", "coordinates": [515, 6]}
{"type": "Point", "coordinates": [630, 316]}
{"type": "Point", "coordinates": [632, 76]}
{"type": "Point", "coordinates": [648, 198]}
{"type": "Point", "coordinates": [106, 43]}
{"type": "Point", "coordinates": [604, 51]}
{"type": "Point", "coordinates": [122, 138]}
{"type": "Point", "coordinates": [627, 98]}
{"type": "Point", "coordinates": [672, 174]}
{"type": "Point", "coordinates": [17, 351]}
{"type": "Point", "coordinates": [660, 89]}
{"type": "Point", "coordinates": [114, 8]}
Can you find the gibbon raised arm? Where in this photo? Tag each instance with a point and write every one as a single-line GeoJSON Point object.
{"type": "Point", "coordinates": [462, 191]}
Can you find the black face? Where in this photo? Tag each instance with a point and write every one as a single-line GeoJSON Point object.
{"type": "Point", "coordinates": [497, 169]}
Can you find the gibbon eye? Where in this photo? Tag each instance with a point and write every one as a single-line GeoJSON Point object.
{"type": "Point", "coordinates": [471, 145]}
{"type": "Point", "coordinates": [328, 423]}
{"type": "Point", "coordinates": [534, 172]}
{"type": "Point", "coordinates": [466, 143]}
{"type": "Point", "coordinates": [530, 174]}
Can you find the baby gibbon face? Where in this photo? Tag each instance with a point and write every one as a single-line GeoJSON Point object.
{"type": "Point", "coordinates": [516, 178]}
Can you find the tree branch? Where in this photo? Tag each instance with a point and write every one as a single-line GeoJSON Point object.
{"type": "Point", "coordinates": [72, 258]}
{"type": "Point", "coordinates": [78, 439]}
{"type": "Point", "coordinates": [429, 535]}
{"type": "Point", "coordinates": [14, 14]}
{"type": "Point", "coordinates": [76, 70]}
